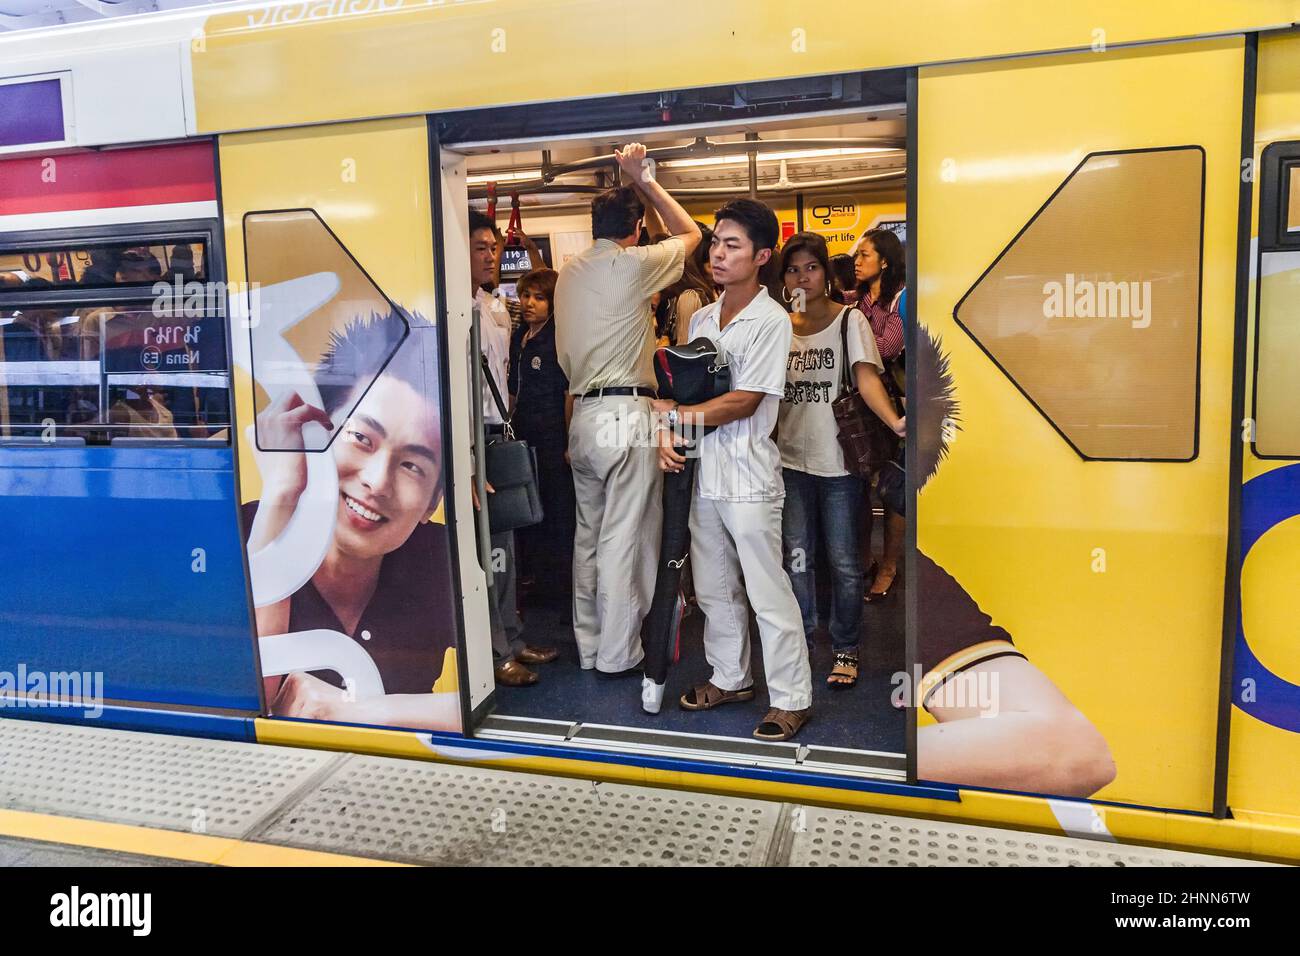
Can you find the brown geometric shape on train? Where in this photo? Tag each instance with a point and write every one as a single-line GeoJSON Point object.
{"type": "Point", "coordinates": [281, 246]}
{"type": "Point", "coordinates": [1093, 309]}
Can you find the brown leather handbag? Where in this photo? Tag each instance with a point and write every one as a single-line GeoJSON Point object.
{"type": "Point", "coordinates": [867, 442]}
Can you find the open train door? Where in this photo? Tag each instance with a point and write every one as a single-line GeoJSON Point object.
{"type": "Point", "coordinates": [1265, 767]}
{"type": "Point", "coordinates": [352, 401]}
{"type": "Point", "coordinates": [1077, 221]}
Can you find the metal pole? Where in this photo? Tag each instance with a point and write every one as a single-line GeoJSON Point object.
{"type": "Point", "coordinates": [753, 165]}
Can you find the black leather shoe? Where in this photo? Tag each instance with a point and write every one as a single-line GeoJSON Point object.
{"type": "Point", "coordinates": [615, 675]}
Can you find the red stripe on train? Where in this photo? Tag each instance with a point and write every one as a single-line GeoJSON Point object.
{"type": "Point", "coordinates": [139, 176]}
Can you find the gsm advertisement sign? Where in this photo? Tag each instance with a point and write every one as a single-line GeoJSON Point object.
{"type": "Point", "coordinates": [835, 219]}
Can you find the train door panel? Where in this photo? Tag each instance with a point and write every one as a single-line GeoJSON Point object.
{"type": "Point", "coordinates": [124, 580]}
{"type": "Point", "coordinates": [1265, 738]}
{"type": "Point", "coordinates": [1074, 377]}
{"type": "Point", "coordinates": [341, 413]}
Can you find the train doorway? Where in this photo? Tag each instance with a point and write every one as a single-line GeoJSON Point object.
{"type": "Point", "coordinates": [836, 173]}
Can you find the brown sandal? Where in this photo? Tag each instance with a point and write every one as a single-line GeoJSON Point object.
{"type": "Point", "coordinates": [845, 672]}
{"type": "Point", "coordinates": [706, 696]}
{"type": "Point", "coordinates": [782, 724]}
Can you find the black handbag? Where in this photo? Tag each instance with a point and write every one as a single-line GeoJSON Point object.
{"type": "Point", "coordinates": [867, 442]}
{"type": "Point", "coordinates": [891, 486]}
{"type": "Point", "coordinates": [691, 374]}
{"type": "Point", "coordinates": [515, 501]}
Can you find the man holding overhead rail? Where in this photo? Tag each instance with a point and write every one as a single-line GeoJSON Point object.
{"type": "Point", "coordinates": [605, 345]}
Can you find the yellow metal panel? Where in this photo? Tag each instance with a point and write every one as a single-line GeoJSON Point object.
{"type": "Point", "coordinates": [1014, 514]}
{"type": "Point", "coordinates": [1264, 761]}
{"type": "Point", "coordinates": [345, 59]}
{"type": "Point", "coordinates": [368, 181]}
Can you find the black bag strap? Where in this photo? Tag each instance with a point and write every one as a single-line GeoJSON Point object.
{"type": "Point", "coordinates": [886, 378]}
{"type": "Point", "coordinates": [496, 394]}
{"type": "Point", "coordinates": [846, 381]}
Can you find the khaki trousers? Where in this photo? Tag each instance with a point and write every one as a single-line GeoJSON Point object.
{"type": "Point", "coordinates": [616, 483]}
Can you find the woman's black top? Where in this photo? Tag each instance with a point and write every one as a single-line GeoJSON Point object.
{"type": "Point", "coordinates": [538, 384]}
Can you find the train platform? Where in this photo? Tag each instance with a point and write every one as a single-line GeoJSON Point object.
{"type": "Point", "coordinates": [72, 795]}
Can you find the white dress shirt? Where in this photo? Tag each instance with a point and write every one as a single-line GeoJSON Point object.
{"type": "Point", "coordinates": [494, 339]}
{"type": "Point", "coordinates": [739, 461]}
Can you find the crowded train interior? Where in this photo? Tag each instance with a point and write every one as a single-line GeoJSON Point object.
{"type": "Point", "coordinates": [839, 174]}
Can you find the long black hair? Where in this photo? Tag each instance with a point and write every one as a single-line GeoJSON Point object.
{"type": "Point", "coordinates": [694, 278]}
{"type": "Point", "coordinates": [894, 276]}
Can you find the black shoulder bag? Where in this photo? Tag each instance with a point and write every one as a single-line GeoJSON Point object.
{"type": "Point", "coordinates": [867, 442]}
{"type": "Point", "coordinates": [511, 465]}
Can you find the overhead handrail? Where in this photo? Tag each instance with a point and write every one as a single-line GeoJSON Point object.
{"type": "Point", "coordinates": [534, 187]}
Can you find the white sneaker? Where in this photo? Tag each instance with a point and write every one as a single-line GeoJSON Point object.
{"type": "Point", "coordinates": [652, 695]}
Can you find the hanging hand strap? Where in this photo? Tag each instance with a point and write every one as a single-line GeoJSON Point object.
{"type": "Point", "coordinates": [516, 227]}
{"type": "Point", "coordinates": [492, 203]}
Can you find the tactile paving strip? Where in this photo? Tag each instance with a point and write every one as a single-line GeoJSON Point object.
{"type": "Point", "coordinates": [426, 813]}
{"type": "Point", "coordinates": [219, 787]}
{"type": "Point", "coordinates": [822, 837]}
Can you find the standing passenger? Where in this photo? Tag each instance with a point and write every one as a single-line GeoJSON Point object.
{"type": "Point", "coordinates": [539, 410]}
{"type": "Point", "coordinates": [736, 515]}
{"type": "Point", "coordinates": [509, 652]}
{"type": "Point", "coordinates": [881, 270]}
{"type": "Point", "coordinates": [822, 498]}
{"type": "Point", "coordinates": [845, 277]}
{"type": "Point", "coordinates": [605, 345]}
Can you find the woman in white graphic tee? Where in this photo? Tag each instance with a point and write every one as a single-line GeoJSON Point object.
{"type": "Point", "coordinates": [821, 496]}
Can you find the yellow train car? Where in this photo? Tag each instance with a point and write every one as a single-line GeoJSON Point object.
{"type": "Point", "coordinates": [1103, 459]}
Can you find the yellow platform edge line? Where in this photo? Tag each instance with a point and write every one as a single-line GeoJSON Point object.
{"type": "Point", "coordinates": [166, 844]}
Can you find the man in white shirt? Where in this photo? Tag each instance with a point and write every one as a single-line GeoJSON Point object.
{"type": "Point", "coordinates": [736, 514]}
{"type": "Point", "coordinates": [605, 345]}
{"type": "Point", "coordinates": [509, 651]}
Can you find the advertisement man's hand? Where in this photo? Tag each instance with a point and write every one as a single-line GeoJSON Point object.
{"type": "Point", "coordinates": [309, 698]}
{"type": "Point", "coordinates": [279, 430]}
{"type": "Point", "coordinates": [283, 465]}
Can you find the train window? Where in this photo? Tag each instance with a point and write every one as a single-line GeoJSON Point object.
{"type": "Point", "coordinates": [1293, 198]}
{"type": "Point", "coordinates": [100, 374]}
{"type": "Point", "coordinates": [1094, 312]}
{"type": "Point", "coordinates": [102, 265]}
{"type": "Point", "coordinates": [310, 292]}
{"type": "Point", "coordinates": [1277, 329]}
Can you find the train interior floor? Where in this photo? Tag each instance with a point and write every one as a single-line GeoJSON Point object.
{"type": "Point", "coordinates": [858, 718]}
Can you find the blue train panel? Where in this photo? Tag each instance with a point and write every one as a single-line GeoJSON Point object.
{"type": "Point", "coordinates": [126, 562]}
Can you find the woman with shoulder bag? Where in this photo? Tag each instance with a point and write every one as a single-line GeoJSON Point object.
{"type": "Point", "coordinates": [880, 266]}
{"type": "Point", "coordinates": [832, 350]}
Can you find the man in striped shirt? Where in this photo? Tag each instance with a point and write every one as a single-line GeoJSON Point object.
{"type": "Point", "coordinates": [605, 342]}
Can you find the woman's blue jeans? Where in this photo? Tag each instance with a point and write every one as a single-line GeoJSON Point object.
{"type": "Point", "coordinates": [818, 507]}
